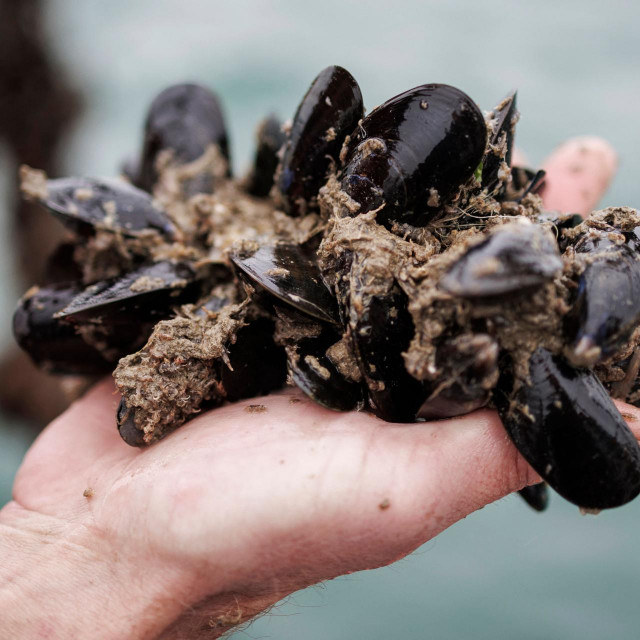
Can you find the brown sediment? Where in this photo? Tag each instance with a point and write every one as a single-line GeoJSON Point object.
{"type": "Point", "coordinates": [255, 408]}
{"type": "Point", "coordinates": [313, 362]}
{"type": "Point", "coordinates": [343, 359]}
{"type": "Point", "coordinates": [174, 373]}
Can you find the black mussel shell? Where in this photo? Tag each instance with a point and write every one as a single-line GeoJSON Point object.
{"type": "Point", "coordinates": [503, 120]}
{"type": "Point", "coordinates": [184, 119]}
{"type": "Point", "coordinates": [535, 185]}
{"type": "Point", "coordinates": [61, 265]}
{"type": "Point", "coordinates": [566, 426]}
{"type": "Point", "coordinates": [52, 343]}
{"type": "Point", "coordinates": [270, 139]}
{"type": "Point", "coordinates": [328, 113]}
{"type": "Point", "coordinates": [256, 365]}
{"type": "Point", "coordinates": [147, 293]}
{"type": "Point", "coordinates": [536, 496]}
{"type": "Point", "coordinates": [515, 258]}
{"type": "Point", "coordinates": [469, 370]}
{"type": "Point", "coordinates": [315, 373]}
{"type": "Point", "coordinates": [87, 204]}
{"type": "Point", "coordinates": [606, 307]}
{"type": "Point", "coordinates": [523, 182]}
{"type": "Point", "coordinates": [412, 153]}
{"type": "Point", "coordinates": [289, 273]}
{"type": "Point", "coordinates": [129, 432]}
{"type": "Point", "coordinates": [381, 329]}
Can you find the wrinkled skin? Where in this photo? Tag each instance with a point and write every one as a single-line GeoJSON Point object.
{"type": "Point", "coordinates": [235, 510]}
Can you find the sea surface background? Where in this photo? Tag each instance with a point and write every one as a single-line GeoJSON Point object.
{"type": "Point", "coordinates": [503, 572]}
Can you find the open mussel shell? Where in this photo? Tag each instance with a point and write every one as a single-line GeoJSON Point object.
{"type": "Point", "coordinates": [503, 123]}
{"type": "Point", "coordinates": [184, 120]}
{"type": "Point", "coordinates": [514, 258]}
{"type": "Point", "coordinates": [148, 292]}
{"type": "Point", "coordinates": [88, 204]}
{"type": "Point", "coordinates": [412, 153]}
{"type": "Point", "coordinates": [566, 426]}
{"type": "Point", "coordinates": [536, 496]}
{"type": "Point", "coordinates": [606, 305]}
{"type": "Point", "coordinates": [52, 343]}
{"type": "Point", "coordinates": [291, 274]}
{"type": "Point", "coordinates": [270, 139]}
{"type": "Point", "coordinates": [328, 113]}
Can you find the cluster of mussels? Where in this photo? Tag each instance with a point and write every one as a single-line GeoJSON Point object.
{"type": "Point", "coordinates": [396, 262]}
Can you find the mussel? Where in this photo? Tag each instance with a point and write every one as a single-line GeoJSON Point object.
{"type": "Point", "coordinates": [328, 113]}
{"type": "Point", "coordinates": [566, 426]}
{"type": "Point", "coordinates": [183, 121]}
{"type": "Point", "coordinates": [411, 154]}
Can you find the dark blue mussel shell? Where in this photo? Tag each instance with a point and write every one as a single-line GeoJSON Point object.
{"type": "Point", "coordinates": [329, 111]}
{"type": "Point", "coordinates": [412, 153]}
{"type": "Point", "coordinates": [566, 426]}
{"type": "Point", "coordinates": [536, 496]}
{"type": "Point", "coordinates": [313, 371]}
{"type": "Point", "coordinates": [606, 304]}
{"type": "Point", "coordinates": [256, 365]}
{"type": "Point", "coordinates": [381, 329]}
{"type": "Point", "coordinates": [145, 293]}
{"type": "Point", "coordinates": [49, 323]}
{"type": "Point", "coordinates": [287, 279]}
{"type": "Point", "coordinates": [513, 259]}
{"type": "Point", "coordinates": [85, 205]}
{"type": "Point", "coordinates": [270, 139]}
{"type": "Point", "coordinates": [291, 274]}
{"type": "Point", "coordinates": [469, 366]}
{"type": "Point", "coordinates": [51, 342]}
{"type": "Point", "coordinates": [184, 119]}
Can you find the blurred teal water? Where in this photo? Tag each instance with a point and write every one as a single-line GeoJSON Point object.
{"type": "Point", "coordinates": [504, 572]}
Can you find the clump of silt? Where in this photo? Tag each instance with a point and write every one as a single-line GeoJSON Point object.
{"type": "Point", "coordinates": [395, 262]}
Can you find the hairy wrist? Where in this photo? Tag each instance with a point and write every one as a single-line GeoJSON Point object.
{"type": "Point", "coordinates": [60, 579]}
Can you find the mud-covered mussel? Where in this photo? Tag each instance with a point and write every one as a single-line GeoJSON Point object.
{"type": "Point", "coordinates": [392, 261]}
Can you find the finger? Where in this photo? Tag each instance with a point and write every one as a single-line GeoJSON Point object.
{"type": "Point", "coordinates": [632, 416]}
{"type": "Point", "coordinates": [578, 174]}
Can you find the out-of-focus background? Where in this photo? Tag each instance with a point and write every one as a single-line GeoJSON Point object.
{"type": "Point", "coordinates": [73, 101]}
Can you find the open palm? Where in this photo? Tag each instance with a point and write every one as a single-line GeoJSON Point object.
{"type": "Point", "coordinates": [250, 502]}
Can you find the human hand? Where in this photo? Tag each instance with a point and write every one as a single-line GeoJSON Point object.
{"type": "Point", "coordinates": [241, 506]}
